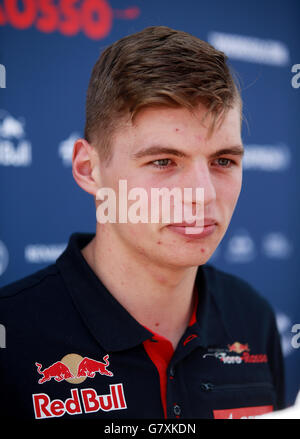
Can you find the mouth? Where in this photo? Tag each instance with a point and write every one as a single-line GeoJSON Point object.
{"type": "Point", "coordinates": [193, 230]}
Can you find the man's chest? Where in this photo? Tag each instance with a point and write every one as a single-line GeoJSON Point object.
{"type": "Point", "coordinates": [206, 383]}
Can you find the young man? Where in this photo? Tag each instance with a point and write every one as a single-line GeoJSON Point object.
{"type": "Point", "coordinates": [132, 322]}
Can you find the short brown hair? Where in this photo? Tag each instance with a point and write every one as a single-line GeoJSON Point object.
{"type": "Point", "coordinates": [157, 66]}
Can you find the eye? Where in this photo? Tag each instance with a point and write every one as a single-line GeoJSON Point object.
{"type": "Point", "coordinates": [225, 163]}
{"type": "Point", "coordinates": [161, 163]}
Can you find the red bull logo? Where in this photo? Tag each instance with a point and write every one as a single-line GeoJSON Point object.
{"type": "Point", "coordinates": [238, 347]}
{"type": "Point", "coordinates": [85, 401]}
{"type": "Point", "coordinates": [74, 369]}
{"type": "Point", "coordinates": [58, 371]}
{"type": "Point", "coordinates": [89, 367]}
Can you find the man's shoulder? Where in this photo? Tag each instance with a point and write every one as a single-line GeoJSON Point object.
{"type": "Point", "coordinates": [29, 283]}
{"type": "Point", "coordinates": [235, 293]}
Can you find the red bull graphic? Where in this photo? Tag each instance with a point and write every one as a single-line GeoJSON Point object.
{"type": "Point", "coordinates": [89, 402]}
{"type": "Point", "coordinates": [238, 347]}
{"type": "Point", "coordinates": [92, 17]}
{"type": "Point", "coordinates": [58, 371]}
{"type": "Point", "coordinates": [87, 367]}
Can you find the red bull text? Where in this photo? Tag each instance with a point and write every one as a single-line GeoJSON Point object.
{"type": "Point", "coordinates": [90, 402]}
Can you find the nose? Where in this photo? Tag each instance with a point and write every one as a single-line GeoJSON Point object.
{"type": "Point", "coordinates": [199, 176]}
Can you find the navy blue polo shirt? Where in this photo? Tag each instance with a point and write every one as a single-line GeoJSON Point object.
{"type": "Point", "coordinates": [72, 350]}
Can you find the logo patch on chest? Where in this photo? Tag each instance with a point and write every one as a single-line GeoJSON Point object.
{"type": "Point", "coordinates": [74, 369]}
{"type": "Point", "coordinates": [236, 353]}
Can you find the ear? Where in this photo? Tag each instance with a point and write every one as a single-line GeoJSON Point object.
{"type": "Point", "coordinates": [85, 166]}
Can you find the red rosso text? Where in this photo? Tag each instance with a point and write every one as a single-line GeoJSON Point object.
{"type": "Point", "coordinates": [69, 17]}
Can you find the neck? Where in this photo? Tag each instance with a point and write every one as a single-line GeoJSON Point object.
{"type": "Point", "coordinates": [159, 298]}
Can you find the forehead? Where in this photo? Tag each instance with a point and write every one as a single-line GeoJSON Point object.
{"type": "Point", "coordinates": [178, 127]}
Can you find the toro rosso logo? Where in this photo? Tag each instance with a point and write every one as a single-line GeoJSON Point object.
{"type": "Point", "coordinates": [242, 351]}
{"type": "Point", "coordinates": [74, 369]}
{"type": "Point", "coordinates": [95, 18]}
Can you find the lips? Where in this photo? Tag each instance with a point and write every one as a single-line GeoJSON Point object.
{"type": "Point", "coordinates": [207, 222]}
{"type": "Point", "coordinates": [192, 230]}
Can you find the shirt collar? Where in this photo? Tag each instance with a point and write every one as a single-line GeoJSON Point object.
{"type": "Point", "coordinates": [209, 325]}
{"type": "Point", "coordinates": [109, 322]}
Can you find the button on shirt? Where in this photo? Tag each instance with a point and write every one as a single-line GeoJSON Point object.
{"type": "Point", "coordinates": [73, 350]}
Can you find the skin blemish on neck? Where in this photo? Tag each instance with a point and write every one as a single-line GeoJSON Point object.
{"type": "Point", "coordinates": [176, 129]}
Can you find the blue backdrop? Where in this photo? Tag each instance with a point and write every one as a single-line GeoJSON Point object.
{"type": "Point", "coordinates": [47, 51]}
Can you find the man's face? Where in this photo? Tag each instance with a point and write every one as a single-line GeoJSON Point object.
{"type": "Point", "coordinates": [170, 147]}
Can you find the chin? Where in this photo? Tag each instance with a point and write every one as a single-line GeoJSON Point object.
{"type": "Point", "coordinates": [185, 259]}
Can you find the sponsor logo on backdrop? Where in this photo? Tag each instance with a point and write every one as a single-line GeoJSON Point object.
{"type": "Point", "coordinates": [276, 245]}
{"type": "Point", "coordinates": [65, 148]}
{"type": "Point", "coordinates": [4, 257]}
{"type": "Point", "coordinates": [94, 18]}
{"type": "Point", "coordinates": [296, 338]}
{"type": "Point", "coordinates": [15, 148]}
{"type": "Point", "coordinates": [2, 336]}
{"type": "Point", "coordinates": [240, 248]}
{"type": "Point", "coordinates": [251, 49]}
{"type": "Point", "coordinates": [267, 157]}
{"type": "Point", "coordinates": [2, 76]}
{"type": "Point", "coordinates": [296, 78]}
{"type": "Point", "coordinates": [284, 325]}
{"type": "Point", "coordinates": [43, 253]}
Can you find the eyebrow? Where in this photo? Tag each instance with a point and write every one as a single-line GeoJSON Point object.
{"type": "Point", "coordinates": [156, 150]}
{"type": "Point", "coordinates": [232, 150]}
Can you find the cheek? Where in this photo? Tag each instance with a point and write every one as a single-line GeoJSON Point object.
{"type": "Point", "coordinates": [140, 238]}
{"type": "Point", "coordinates": [228, 192]}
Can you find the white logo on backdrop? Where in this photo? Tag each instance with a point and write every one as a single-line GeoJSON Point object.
{"type": "Point", "coordinates": [43, 253]}
{"type": "Point", "coordinates": [251, 49]}
{"type": "Point", "coordinates": [284, 325]}
{"type": "Point", "coordinates": [2, 76]}
{"type": "Point", "coordinates": [15, 149]}
{"type": "Point", "coordinates": [276, 245]}
{"type": "Point", "coordinates": [65, 148]}
{"type": "Point", "coordinates": [267, 157]}
{"type": "Point", "coordinates": [240, 248]}
{"type": "Point", "coordinates": [4, 258]}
